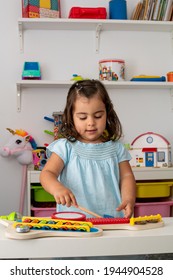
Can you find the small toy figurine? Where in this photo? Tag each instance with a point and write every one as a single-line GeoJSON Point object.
{"type": "Point", "coordinates": [77, 77]}
{"type": "Point", "coordinates": [57, 123]}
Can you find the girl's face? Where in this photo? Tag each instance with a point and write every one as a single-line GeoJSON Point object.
{"type": "Point", "coordinates": [89, 118]}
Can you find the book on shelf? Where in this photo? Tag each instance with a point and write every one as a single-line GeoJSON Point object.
{"type": "Point", "coordinates": [158, 10]}
{"type": "Point", "coordinates": [142, 11]}
{"type": "Point", "coordinates": [168, 10]}
{"type": "Point", "coordinates": [148, 9]}
{"type": "Point", "coordinates": [137, 11]}
{"type": "Point", "coordinates": [145, 9]}
{"type": "Point", "coordinates": [152, 9]}
{"type": "Point", "coordinates": [171, 13]}
{"type": "Point", "coordinates": [164, 9]}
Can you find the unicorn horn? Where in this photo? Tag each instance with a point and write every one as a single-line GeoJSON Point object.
{"type": "Point", "coordinates": [11, 131]}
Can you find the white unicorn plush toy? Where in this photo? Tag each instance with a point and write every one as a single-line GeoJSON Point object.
{"type": "Point", "coordinates": [20, 146]}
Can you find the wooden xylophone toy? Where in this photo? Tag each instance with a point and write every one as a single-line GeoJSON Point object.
{"type": "Point", "coordinates": [35, 227]}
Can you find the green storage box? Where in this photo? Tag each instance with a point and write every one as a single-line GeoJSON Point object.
{"type": "Point", "coordinates": [40, 195]}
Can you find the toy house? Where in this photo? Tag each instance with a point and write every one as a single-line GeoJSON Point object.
{"type": "Point", "coordinates": [150, 150]}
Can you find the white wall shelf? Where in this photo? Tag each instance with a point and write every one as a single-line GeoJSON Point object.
{"type": "Point", "coordinates": [91, 24]}
{"type": "Point", "coordinates": [23, 84]}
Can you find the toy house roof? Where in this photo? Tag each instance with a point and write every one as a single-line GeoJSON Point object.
{"type": "Point", "coordinates": [151, 133]}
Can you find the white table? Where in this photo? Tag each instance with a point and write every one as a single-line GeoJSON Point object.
{"type": "Point", "coordinates": [114, 242]}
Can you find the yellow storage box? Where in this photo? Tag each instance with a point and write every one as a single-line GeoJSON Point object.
{"type": "Point", "coordinates": [154, 189]}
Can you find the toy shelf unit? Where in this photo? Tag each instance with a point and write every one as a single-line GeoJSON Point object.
{"type": "Point", "coordinates": [150, 182]}
{"type": "Point", "coordinates": [23, 84]}
{"type": "Point", "coordinates": [152, 151]}
{"type": "Point", "coordinates": [39, 202]}
{"type": "Point", "coordinates": [154, 197]}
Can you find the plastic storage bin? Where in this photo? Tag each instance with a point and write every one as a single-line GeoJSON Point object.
{"type": "Point", "coordinates": [42, 212]}
{"type": "Point", "coordinates": [163, 208]}
{"type": "Point", "coordinates": [153, 189]}
{"type": "Point", "coordinates": [112, 70]}
{"type": "Point", "coordinates": [40, 195]}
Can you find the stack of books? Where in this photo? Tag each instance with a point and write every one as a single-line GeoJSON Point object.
{"type": "Point", "coordinates": [161, 10]}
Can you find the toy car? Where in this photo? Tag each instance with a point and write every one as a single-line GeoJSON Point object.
{"type": "Point", "coordinates": [31, 71]}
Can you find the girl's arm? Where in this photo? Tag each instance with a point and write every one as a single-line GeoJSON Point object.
{"type": "Point", "coordinates": [50, 183]}
{"type": "Point", "coordinates": [128, 189]}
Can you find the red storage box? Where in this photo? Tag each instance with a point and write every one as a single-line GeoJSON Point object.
{"type": "Point", "coordinates": [82, 12]}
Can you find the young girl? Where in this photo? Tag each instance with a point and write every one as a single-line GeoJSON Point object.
{"type": "Point", "coordinates": [89, 166]}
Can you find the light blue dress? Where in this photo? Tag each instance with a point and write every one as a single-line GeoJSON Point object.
{"type": "Point", "coordinates": [91, 171]}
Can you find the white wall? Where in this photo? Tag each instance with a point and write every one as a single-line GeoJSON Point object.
{"type": "Point", "coordinates": [62, 53]}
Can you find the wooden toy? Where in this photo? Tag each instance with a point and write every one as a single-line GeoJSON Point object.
{"type": "Point", "coordinates": [150, 150]}
{"type": "Point", "coordinates": [35, 227]}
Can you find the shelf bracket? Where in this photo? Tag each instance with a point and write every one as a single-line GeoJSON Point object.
{"type": "Point", "coordinates": [97, 38]}
{"type": "Point", "coordinates": [18, 98]}
{"type": "Point", "coordinates": [171, 95]}
{"type": "Point", "coordinates": [20, 37]}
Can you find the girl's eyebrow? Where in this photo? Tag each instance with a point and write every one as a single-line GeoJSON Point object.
{"type": "Point", "coordinates": [84, 113]}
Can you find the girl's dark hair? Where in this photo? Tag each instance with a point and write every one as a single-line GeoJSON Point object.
{"type": "Point", "coordinates": [89, 88]}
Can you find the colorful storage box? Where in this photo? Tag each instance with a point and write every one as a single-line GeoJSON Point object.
{"type": "Point", "coordinates": [42, 212]}
{"type": "Point", "coordinates": [163, 208]}
{"type": "Point", "coordinates": [40, 8]}
{"type": "Point", "coordinates": [154, 189]}
{"type": "Point", "coordinates": [40, 195]}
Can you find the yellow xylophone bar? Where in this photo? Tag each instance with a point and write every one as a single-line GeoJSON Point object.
{"type": "Point", "coordinates": [150, 218]}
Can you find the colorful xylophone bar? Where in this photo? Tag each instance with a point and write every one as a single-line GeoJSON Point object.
{"type": "Point", "coordinates": [35, 223]}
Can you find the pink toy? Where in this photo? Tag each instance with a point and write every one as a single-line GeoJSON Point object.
{"type": "Point", "coordinates": [20, 146]}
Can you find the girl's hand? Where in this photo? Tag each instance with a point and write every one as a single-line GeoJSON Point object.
{"type": "Point", "coordinates": [64, 196]}
{"type": "Point", "coordinates": [127, 208]}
